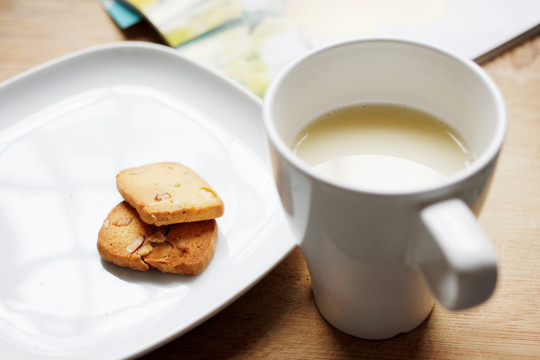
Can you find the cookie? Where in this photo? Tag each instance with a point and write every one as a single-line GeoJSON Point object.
{"type": "Point", "coordinates": [168, 193]}
{"type": "Point", "coordinates": [186, 248]}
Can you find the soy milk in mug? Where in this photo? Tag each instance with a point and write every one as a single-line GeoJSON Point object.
{"type": "Point", "coordinates": [382, 146]}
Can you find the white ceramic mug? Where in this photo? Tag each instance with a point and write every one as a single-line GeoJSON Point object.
{"type": "Point", "coordinates": [376, 258]}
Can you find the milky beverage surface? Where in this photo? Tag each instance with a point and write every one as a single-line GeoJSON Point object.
{"type": "Point", "coordinates": [381, 146]}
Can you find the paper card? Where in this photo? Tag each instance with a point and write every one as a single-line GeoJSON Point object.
{"type": "Point", "coordinates": [252, 40]}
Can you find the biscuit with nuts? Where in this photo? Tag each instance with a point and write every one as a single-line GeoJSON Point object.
{"type": "Point", "coordinates": [168, 193]}
{"type": "Point", "coordinates": [186, 248]}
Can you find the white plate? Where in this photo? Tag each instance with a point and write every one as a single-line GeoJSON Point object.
{"type": "Point", "coordinates": [66, 129]}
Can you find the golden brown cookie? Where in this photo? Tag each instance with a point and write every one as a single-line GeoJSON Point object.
{"type": "Point", "coordinates": [186, 248]}
{"type": "Point", "coordinates": [168, 193]}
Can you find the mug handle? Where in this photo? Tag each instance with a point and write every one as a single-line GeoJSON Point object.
{"type": "Point", "coordinates": [457, 260]}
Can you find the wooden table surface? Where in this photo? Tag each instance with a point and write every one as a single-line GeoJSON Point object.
{"type": "Point", "coordinates": [277, 318]}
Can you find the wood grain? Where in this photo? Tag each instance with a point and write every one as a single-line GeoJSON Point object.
{"type": "Point", "coordinates": [277, 318]}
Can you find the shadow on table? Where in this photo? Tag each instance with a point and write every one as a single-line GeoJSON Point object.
{"type": "Point", "coordinates": [144, 32]}
{"type": "Point", "coordinates": [278, 319]}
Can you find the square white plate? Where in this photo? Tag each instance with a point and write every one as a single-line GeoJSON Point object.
{"type": "Point", "coordinates": [66, 129]}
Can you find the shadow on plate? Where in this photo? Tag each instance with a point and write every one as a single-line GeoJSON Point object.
{"type": "Point", "coordinates": [150, 277]}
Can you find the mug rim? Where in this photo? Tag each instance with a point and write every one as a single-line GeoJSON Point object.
{"type": "Point", "coordinates": [485, 158]}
